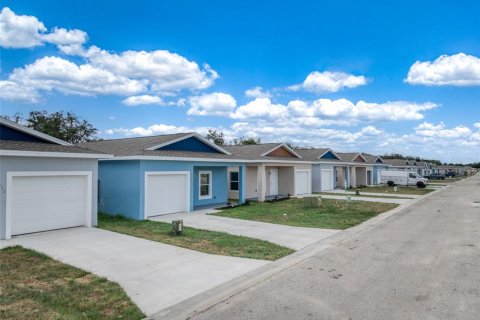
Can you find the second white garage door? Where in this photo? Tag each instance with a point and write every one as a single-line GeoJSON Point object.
{"type": "Point", "coordinates": [47, 201]}
{"type": "Point", "coordinates": [302, 182]}
{"type": "Point", "coordinates": [327, 180]}
{"type": "Point", "coordinates": [166, 192]}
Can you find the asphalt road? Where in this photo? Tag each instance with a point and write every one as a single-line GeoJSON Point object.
{"type": "Point", "coordinates": [422, 263]}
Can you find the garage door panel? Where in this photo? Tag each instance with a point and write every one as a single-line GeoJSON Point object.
{"type": "Point", "coordinates": [40, 203]}
{"type": "Point", "coordinates": [302, 182]}
{"type": "Point", "coordinates": [166, 193]}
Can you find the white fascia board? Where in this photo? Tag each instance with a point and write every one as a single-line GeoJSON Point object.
{"type": "Point", "coordinates": [21, 153]}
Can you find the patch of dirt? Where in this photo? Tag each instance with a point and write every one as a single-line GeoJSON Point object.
{"type": "Point", "coordinates": [86, 279]}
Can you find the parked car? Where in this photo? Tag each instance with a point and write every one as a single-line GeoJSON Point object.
{"type": "Point", "coordinates": [402, 178]}
{"type": "Point", "coordinates": [436, 176]}
{"type": "Point", "coordinates": [450, 174]}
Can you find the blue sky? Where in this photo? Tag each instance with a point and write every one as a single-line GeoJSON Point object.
{"type": "Point", "coordinates": [364, 76]}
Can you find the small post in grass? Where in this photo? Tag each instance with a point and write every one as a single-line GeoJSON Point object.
{"type": "Point", "coordinates": [177, 227]}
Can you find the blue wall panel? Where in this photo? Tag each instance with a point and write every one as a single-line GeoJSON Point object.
{"type": "Point", "coordinates": [119, 191]}
{"type": "Point", "coordinates": [190, 144]}
{"type": "Point", "coordinates": [329, 155]}
{"type": "Point", "coordinates": [7, 133]}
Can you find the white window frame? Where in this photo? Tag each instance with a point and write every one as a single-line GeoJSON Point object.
{"type": "Point", "coordinates": [12, 174]}
{"type": "Point", "coordinates": [210, 186]}
{"type": "Point", "coordinates": [230, 180]}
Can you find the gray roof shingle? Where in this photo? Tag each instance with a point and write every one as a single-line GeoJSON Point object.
{"type": "Point", "coordinates": [42, 147]}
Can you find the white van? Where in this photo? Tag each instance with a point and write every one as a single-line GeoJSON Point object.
{"type": "Point", "coordinates": [402, 178]}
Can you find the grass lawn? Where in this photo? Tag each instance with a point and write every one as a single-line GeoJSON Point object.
{"type": "Point", "coordinates": [362, 195]}
{"type": "Point", "coordinates": [401, 190]}
{"type": "Point", "coordinates": [334, 214]}
{"type": "Point", "coordinates": [200, 240]}
{"type": "Point", "coordinates": [34, 286]}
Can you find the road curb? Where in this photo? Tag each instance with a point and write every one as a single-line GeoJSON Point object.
{"type": "Point", "coordinates": [208, 299]}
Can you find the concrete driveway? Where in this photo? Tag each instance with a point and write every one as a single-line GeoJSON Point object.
{"type": "Point", "coordinates": [153, 274]}
{"type": "Point", "coordinates": [288, 236]}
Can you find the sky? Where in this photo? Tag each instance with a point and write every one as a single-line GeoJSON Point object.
{"type": "Point", "coordinates": [355, 76]}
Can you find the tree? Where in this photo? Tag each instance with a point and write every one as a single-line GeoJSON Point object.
{"type": "Point", "coordinates": [246, 141]}
{"type": "Point", "coordinates": [65, 126]}
{"type": "Point", "coordinates": [216, 137]}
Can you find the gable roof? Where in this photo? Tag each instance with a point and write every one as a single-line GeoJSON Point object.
{"type": "Point", "coordinates": [351, 156]}
{"type": "Point", "coordinates": [284, 146]}
{"type": "Point", "coordinates": [42, 136]}
{"type": "Point", "coordinates": [170, 140]}
{"type": "Point", "coordinates": [373, 159]}
{"type": "Point", "coordinates": [316, 154]}
{"type": "Point", "coordinates": [27, 148]}
{"type": "Point", "coordinates": [150, 145]}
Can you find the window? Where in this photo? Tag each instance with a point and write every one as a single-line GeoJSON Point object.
{"type": "Point", "coordinates": [234, 181]}
{"type": "Point", "coordinates": [205, 184]}
{"type": "Point", "coordinates": [413, 175]}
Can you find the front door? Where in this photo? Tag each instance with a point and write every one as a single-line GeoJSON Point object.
{"type": "Point", "coordinates": [273, 174]}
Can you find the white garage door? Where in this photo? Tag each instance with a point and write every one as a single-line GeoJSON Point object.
{"type": "Point", "coordinates": [302, 182]}
{"type": "Point", "coordinates": [166, 193]}
{"type": "Point", "coordinates": [327, 180]}
{"type": "Point", "coordinates": [40, 203]}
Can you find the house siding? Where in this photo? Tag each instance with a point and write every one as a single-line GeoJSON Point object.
{"type": "Point", "coordinates": [122, 184]}
{"type": "Point", "coordinates": [44, 164]}
{"type": "Point", "coordinates": [7, 133]}
{"type": "Point", "coordinates": [190, 144]}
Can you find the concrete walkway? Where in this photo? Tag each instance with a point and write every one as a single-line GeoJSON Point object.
{"type": "Point", "coordinates": [153, 274]}
{"type": "Point", "coordinates": [378, 194]}
{"type": "Point", "coordinates": [370, 199]}
{"type": "Point", "coordinates": [288, 236]}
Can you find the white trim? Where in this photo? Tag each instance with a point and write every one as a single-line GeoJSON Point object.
{"type": "Point", "coordinates": [194, 135]}
{"type": "Point", "coordinates": [12, 174]}
{"type": "Point", "coordinates": [333, 152]}
{"type": "Point", "coordinates": [25, 153]}
{"type": "Point", "coordinates": [32, 132]}
{"type": "Point", "coordinates": [284, 146]}
{"type": "Point", "coordinates": [164, 173]}
{"type": "Point", "coordinates": [210, 185]}
{"type": "Point", "coordinates": [309, 178]}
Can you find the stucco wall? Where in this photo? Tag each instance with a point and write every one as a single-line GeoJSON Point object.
{"type": "Point", "coordinates": [44, 164]}
{"type": "Point", "coordinates": [122, 183]}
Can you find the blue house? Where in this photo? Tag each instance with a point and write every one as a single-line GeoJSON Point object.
{"type": "Point", "coordinates": [164, 174]}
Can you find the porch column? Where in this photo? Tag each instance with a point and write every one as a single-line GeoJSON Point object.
{"type": "Point", "coordinates": [261, 182]}
{"type": "Point", "coordinates": [241, 183]}
{"type": "Point", "coordinates": [346, 173]}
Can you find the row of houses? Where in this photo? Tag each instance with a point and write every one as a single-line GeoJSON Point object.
{"type": "Point", "coordinates": [50, 184]}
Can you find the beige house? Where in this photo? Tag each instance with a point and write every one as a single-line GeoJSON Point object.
{"type": "Point", "coordinates": [358, 171]}
{"type": "Point", "coordinates": [273, 170]}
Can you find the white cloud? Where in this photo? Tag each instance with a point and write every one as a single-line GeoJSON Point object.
{"type": "Point", "coordinates": [21, 31]}
{"type": "Point", "coordinates": [260, 108]}
{"type": "Point", "coordinates": [213, 104]}
{"type": "Point", "coordinates": [11, 91]}
{"type": "Point", "coordinates": [456, 70]}
{"type": "Point", "coordinates": [164, 70]}
{"type": "Point", "coordinates": [477, 125]}
{"type": "Point", "coordinates": [54, 73]}
{"type": "Point", "coordinates": [439, 131]}
{"type": "Point", "coordinates": [327, 81]}
{"type": "Point", "coordinates": [342, 109]}
{"type": "Point", "coordinates": [141, 100]}
{"type": "Point", "coordinates": [257, 92]}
